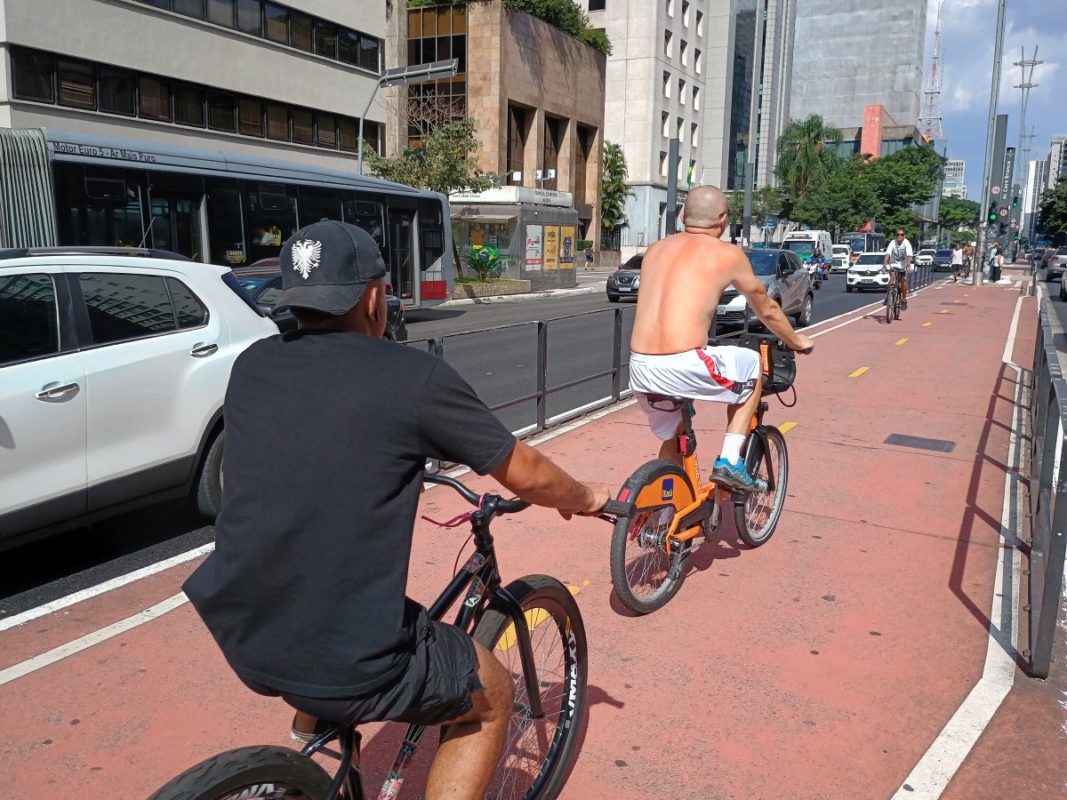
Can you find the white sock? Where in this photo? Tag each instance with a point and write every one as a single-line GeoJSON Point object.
{"type": "Point", "coordinates": [731, 447]}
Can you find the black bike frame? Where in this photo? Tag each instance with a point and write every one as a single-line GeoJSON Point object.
{"type": "Point", "coordinates": [479, 579]}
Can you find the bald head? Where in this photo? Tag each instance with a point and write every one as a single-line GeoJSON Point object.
{"type": "Point", "coordinates": [704, 206]}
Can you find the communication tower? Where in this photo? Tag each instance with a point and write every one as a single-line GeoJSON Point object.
{"type": "Point", "coordinates": [930, 118]}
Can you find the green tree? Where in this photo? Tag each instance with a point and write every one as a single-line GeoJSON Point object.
{"type": "Point", "coordinates": [806, 155]}
{"type": "Point", "coordinates": [1052, 213]}
{"type": "Point", "coordinates": [613, 190]}
{"type": "Point", "coordinates": [906, 178]}
{"type": "Point", "coordinates": [958, 213]}
{"type": "Point", "coordinates": [845, 200]}
{"type": "Point", "coordinates": [444, 163]}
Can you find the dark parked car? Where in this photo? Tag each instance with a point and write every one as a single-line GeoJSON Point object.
{"type": "Point", "coordinates": [625, 281]}
{"type": "Point", "coordinates": [787, 282]}
{"type": "Point", "coordinates": [943, 259]}
{"type": "Point", "coordinates": [263, 282]}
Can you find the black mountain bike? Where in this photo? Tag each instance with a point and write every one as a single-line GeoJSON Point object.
{"type": "Point", "coordinates": [893, 303]}
{"type": "Point", "coordinates": [532, 625]}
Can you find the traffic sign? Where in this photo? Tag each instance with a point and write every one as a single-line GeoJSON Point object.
{"type": "Point", "coordinates": [995, 191]}
{"type": "Point", "coordinates": [1003, 212]}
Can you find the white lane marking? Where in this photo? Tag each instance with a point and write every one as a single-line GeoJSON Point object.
{"type": "Point", "coordinates": [84, 642]}
{"type": "Point", "coordinates": [101, 588]}
{"type": "Point", "coordinates": [875, 304]}
{"type": "Point", "coordinates": [950, 749]}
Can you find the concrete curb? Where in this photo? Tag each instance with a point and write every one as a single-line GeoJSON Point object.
{"type": "Point", "coordinates": [518, 298]}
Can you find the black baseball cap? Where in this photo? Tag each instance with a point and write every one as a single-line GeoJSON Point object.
{"type": "Point", "coordinates": [327, 265]}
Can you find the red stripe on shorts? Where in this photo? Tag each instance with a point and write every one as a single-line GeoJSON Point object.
{"type": "Point", "coordinates": [725, 383]}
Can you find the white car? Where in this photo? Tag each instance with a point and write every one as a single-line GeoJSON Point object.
{"type": "Point", "coordinates": [866, 273]}
{"type": "Point", "coordinates": [925, 258]}
{"type": "Point", "coordinates": [841, 258]}
{"type": "Point", "coordinates": [113, 369]}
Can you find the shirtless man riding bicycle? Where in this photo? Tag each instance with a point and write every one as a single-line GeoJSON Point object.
{"type": "Point", "coordinates": [682, 278]}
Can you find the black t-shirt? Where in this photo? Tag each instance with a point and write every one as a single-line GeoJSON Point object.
{"type": "Point", "coordinates": [327, 436]}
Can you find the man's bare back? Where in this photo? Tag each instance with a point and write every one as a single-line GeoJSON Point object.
{"type": "Point", "coordinates": [682, 278]}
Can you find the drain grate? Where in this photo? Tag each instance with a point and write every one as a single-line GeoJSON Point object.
{"type": "Point", "coordinates": [918, 442]}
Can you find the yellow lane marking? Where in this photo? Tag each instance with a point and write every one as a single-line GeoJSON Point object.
{"type": "Point", "coordinates": [787, 426]}
{"type": "Point", "coordinates": [944, 311]}
{"type": "Point", "coordinates": [901, 341]}
{"type": "Point", "coordinates": [927, 324]}
{"type": "Point", "coordinates": [534, 617]}
{"type": "Point", "coordinates": [858, 372]}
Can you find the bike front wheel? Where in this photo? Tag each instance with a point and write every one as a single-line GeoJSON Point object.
{"type": "Point", "coordinates": [265, 772]}
{"type": "Point", "coordinates": [767, 459]}
{"type": "Point", "coordinates": [644, 574]}
{"type": "Point", "coordinates": [539, 752]}
{"type": "Point", "coordinates": [890, 302]}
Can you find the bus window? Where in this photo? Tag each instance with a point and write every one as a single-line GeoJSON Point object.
{"type": "Point", "coordinates": [367, 214]}
{"type": "Point", "coordinates": [225, 229]}
{"type": "Point", "coordinates": [401, 261]}
{"type": "Point", "coordinates": [431, 232]}
{"type": "Point", "coordinates": [270, 219]}
{"type": "Point", "coordinates": [318, 204]}
{"type": "Point", "coordinates": [98, 208]}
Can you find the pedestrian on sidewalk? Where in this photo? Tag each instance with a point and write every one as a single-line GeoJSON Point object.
{"type": "Point", "coordinates": [997, 265]}
{"type": "Point", "coordinates": [957, 261]}
{"type": "Point", "coordinates": [589, 257]}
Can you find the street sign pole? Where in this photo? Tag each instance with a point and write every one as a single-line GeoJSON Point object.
{"type": "Point", "coordinates": [998, 49]}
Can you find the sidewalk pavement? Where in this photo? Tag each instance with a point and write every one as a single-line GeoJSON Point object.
{"type": "Point", "coordinates": [588, 282]}
{"type": "Point", "coordinates": [829, 663]}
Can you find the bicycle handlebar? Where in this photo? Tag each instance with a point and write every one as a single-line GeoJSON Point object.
{"type": "Point", "coordinates": [502, 505]}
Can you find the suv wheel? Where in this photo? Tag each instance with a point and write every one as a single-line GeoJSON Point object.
{"type": "Point", "coordinates": [803, 316]}
{"type": "Point", "coordinates": [209, 482]}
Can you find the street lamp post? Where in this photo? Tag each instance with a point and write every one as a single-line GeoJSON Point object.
{"type": "Point", "coordinates": [400, 76]}
{"type": "Point", "coordinates": [987, 167]}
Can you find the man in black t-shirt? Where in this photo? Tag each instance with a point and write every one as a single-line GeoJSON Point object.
{"type": "Point", "coordinates": [328, 429]}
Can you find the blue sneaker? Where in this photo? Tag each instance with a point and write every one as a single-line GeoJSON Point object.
{"type": "Point", "coordinates": [733, 476]}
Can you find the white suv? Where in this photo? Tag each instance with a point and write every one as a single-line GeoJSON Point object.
{"type": "Point", "coordinates": [113, 368]}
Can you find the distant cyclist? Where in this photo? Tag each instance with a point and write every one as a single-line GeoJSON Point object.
{"type": "Point", "coordinates": [898, 259]}
{"type": "Point", "coordinates": [957, 261]}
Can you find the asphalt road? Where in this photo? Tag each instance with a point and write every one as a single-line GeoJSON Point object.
{"type": "Point", "coordinates": [501, 365]}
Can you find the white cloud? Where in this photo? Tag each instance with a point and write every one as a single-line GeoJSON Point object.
{"type": "Point", "coordinates": [961, 99]}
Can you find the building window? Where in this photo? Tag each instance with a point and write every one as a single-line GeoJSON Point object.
{"type": "Point", "coordinates": [250, 116]}
{"type": "Point", "coordinates": [300, 31]}
{"type": "Point", "coordinates": [189, 105]}
{"type": "Point", "coordinates": [518, 131]}
{"type": "Point", "coordinates": [680, 130]}
{"type": "Point", "coordinates": [596, 5]}
{"type": "Point", "coordinates": [221, 12]}
{"type": "Point", "coordinates": [303, 126]}
{"type": "Point", "coordinates": [116, 91]}
{"type": "Point", "coordinates": [693, 134]}
{"type": "Point", "coordinates": [696, 98]}
{"type": "Point", "coordinates": [77, 84]}
{"type": "Point", "coordinates": [190, 8]}
{"type": "Point", "coordinates": [277, 122]}
{"type": "Point", "coordinates": [326, 39]}
{"type": "Point", "coordinates": [327, 129]}
{"type": "Point", "coordinates": [700, 23]}
{"type": "Point", "coordinates": [250, 17]}
{"type": "Point", "coordinates": [666, 84]}
{"type": "Point", "coordinates": [683, 51]}
{"type": "Point", "coordinates": [698, 62]}
{"type": "Point", "coordinates": [681, 91]}
{"type": "Point", "coordinates": [670, 8]}
{"type": "Point", "coordinates": [220, 112]}
{"type": "Point", "coordinates": [665, 124]}
{"type": "Point", "coordinates": [663, 163]}
{"type": "Point", "coordinates": [554, 128]}
{"type": "Point", "coordinates": [370, 49]}
{"type": "Point", "coordinates": [34, 76]}
{"type": "Point", "coordinates": [667, 49]}
{"type": "Point", "coordinates": [277, 22]}
{"type": "Point", "coordinates": [153, 98]}
{"type": "Point", "coordinates": [685, 12]}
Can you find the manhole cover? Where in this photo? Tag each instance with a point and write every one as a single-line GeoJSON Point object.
{"type": "Point", "coordinates": [918, 442]}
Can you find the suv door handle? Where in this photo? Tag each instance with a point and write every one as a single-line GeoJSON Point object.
{"type": "Point", "coordinates": [202, 350]}
{"type": "Point", "coordinates": [54, 393]}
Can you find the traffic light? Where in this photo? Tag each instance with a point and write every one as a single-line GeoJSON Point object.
{"type": "Point", "coordinates": [1015, 201]}
{"type": "Point", "coordinates": [1003, 227]}
{"type": "Point", "coordinates": [992, 215]}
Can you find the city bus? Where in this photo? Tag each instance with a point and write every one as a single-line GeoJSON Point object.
{"type": "Point", "coordinates": [863, 242]}
{"type": "Point", "coordinates": [74, 189]}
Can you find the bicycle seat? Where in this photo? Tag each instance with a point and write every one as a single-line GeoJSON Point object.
{"type": "Point", "coordinates": [665, 402]}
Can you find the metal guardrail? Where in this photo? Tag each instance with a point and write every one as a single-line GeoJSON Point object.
{"type": "Point", "coordinates": [1048, 497]}
{"type": "Point", "coordinates": [613, 369]}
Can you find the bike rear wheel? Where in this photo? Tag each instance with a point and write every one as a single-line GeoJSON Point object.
{"type": "Point", "coordinates": [265, 772]}
{"type": "Point", "coordinates": [767, 459]}
{"type": "Point", "coordinates": [890, 303]}
{"type": "Point", "coordinates": [538, 753]}
{"type": "Point", "coordinates": [645, 576]}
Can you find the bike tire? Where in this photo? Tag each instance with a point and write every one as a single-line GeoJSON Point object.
{"type": "Point", "coordinates": [664, 573]}
{"type": "Point", "coordinates": [262, 771]}
{"type": "Point", "coordinates": [556, 623]}
{"type": "Point", "coordinates": [890, 301]}
{"type": "Point", "coordinates": [896, 308]}
{"type": "Point", "coordinates": [756, 514]}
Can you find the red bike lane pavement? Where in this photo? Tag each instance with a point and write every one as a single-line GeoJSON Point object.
{"type": "Point", "coordinates": [821, 665]}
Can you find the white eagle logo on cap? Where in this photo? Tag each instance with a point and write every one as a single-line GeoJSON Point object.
{"type": "Point", "coordinates": [306, 255]}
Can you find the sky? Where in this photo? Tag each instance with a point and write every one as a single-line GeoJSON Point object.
{"type": "Point", "coordinates": [968, 28]}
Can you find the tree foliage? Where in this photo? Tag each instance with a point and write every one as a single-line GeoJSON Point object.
{"type": "Point", "coordinates": [613, 189]}
{"type": "Point", "coordinates": [443, 163]}
{"type": "Point", "coordinates": [1052, 213]}
{"type": "Point", "coordinates": [907, 177]}
{"type": "Point", "coordinates": [957, 213]}
{"type": "Point", "coordinates": [844, 200]}
{"type": "Point", "coordinates": [806, 155]}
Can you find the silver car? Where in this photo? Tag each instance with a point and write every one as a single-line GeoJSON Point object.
{"type": "Point", "coordinates": [1056, 264]}
{"type": "Point", "coordinates": [787, 283]}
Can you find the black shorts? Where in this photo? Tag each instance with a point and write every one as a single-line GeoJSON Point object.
{"type": "Point", "coordinates": [435, 688]}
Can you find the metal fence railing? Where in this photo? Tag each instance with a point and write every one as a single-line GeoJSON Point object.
{"type": "Point", "coordinates": [569, 366]}
{"type": "Point", "coordinates": [1048, 496]}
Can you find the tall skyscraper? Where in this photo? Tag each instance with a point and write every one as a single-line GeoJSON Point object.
{"type": "Point", "coordinates": [851, 53]}
{"type": "Point", "coordinates": [1057, 160]}
{"type": "Point", "coordinates": [954, 184]}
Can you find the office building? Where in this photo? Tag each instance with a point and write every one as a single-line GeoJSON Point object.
{"type": "Point", "coordinates": [685, 69]}
{"type": "Point", "coordinates": [536, 95]}
{"type": "Point", "coordinates": [1057, 160]}
{"type": "Point", "coordinates": [853, 53]}
{"type": "Point", "coordinates": [955, 184]}
{"type": "Point", "coordinates": [281, 80]}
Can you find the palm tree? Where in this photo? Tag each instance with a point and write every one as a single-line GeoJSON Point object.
{"type": "Point", "coordinates": [613, 190]}
{"type": "Point", "coordinates": [805, 154]}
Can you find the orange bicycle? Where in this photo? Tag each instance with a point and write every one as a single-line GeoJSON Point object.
{"type": "Point", "coordinates": [662, 508]}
